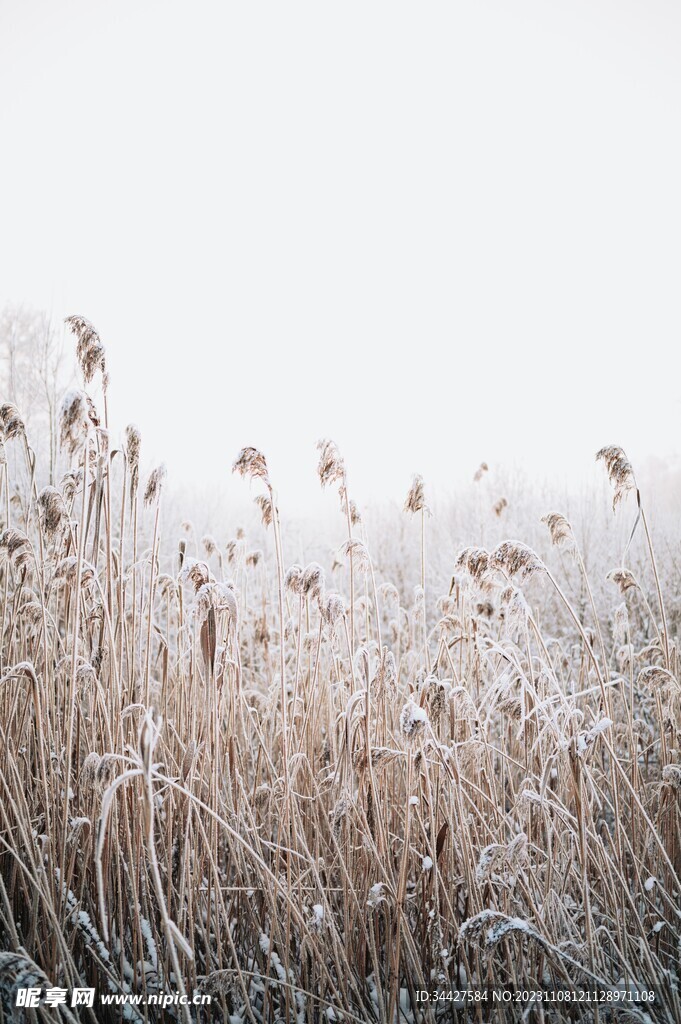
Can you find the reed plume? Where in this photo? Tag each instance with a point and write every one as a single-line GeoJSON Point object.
{"type": "Point", "coordinates": [89, 349]}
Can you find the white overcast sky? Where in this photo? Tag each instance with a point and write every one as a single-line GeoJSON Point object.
{"type": "Point", "coordinates": [435, 232]}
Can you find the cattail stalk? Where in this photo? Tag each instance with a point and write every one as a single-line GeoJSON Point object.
{"type": "Point", "coordinates": [72, 687]}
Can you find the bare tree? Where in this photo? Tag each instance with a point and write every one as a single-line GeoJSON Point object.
{"type": "Point", "coordinates": [32, 374]}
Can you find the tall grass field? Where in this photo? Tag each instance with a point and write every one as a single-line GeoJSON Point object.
{"type": "Point", "coordinates": [439, 784]}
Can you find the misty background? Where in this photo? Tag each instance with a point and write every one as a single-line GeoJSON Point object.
{"type": "Point", "coordinates": [437, 234]}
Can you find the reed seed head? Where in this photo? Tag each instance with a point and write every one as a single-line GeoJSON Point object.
{"type": "Point", "coordinates": [499, 507]}
{"type": "Point", "coordinates": [312, 581]}
{"type": "Point", "coordinates": [517, 559]}
{"type": "Point", "coordinates": [559, 528]}
{"type": "Point", "coordinates": [133, 443]}
{"type": "Point", "coordinates": [671, 776]}
{"type": "Point", "coordinates": [264, 503]}
{"type": "Point", "coordinates": [77, 417]}
{"type": "Point", "coordinates": [157, 477]}
{"type": "Point", "coordinates": [11, 422]}
{"type": "Point", "coordinates": [620, 471]}
{"type": "Point", "coordinates": [209, 544]}
{"type": "Point", "coordinates": [477, 564]}
{"type": "Point", "coordinates": [16, 546]}
{"type": "Point", "coordinates": [415, 501]}
{"type": "Point", "coordinates": [331, 467]}
{"type": "Point", "coordinates": [53, 510]}
{"type": "Point", "coordinates": [413, 720]}
{"type": "Point", "coordinates": [89, 348]}
{"type": "Point", "coordinates": [251, 463]}
{"type": "Point", "coordinates": [624, 579]}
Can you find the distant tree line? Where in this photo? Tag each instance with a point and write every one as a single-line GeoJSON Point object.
{"type": "Point", "coordinates": [33, 373]}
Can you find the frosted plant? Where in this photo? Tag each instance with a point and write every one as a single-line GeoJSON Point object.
{"type": "Point", "coordinates": [264, 503]}
{"type": "Point", "coordinates": [16, 547]}
{"type": "Point", "coordinates": [376, 895]}
{"type": "Point", "coordinates": [477, 564]}
{"type": "Point", "coordinates": [516, 559]}
{"type": "Point", "coordinates": [413, 720]}
{"type": "Point", "coordinates": [624, 579]}
{"type": "Point", "coordinates": [490, 927]}
{"type": "Point", "coordinates": [671, 776]}
{"type": "Point", "coordinates": [89, 348]}
{"type": "Point", "coordinates": [11, 423]}
{"type": "Point", "coordinates": [67, 571]}
{"type": "Point", "coordinates": [293, 579]}
{"type": "Point", "coordinates": [559, 528]}
{"type": "Point", "coordinates": [415, 501]}
{"type": "Point", "coordinates": [312, 581]}
{"type": "Point", "coordinates": [194, 573]}
{"type": "Point", "coordinates": [53, 511]}
{"type": "Point", "coordinates": [385, 683]}
{"type": "Point", "coordinates": [620, 625]}
{"type": "Point", "coordinates": [155, 484]}
{"type": "Point", "coordinates": [77, 417]}
{"type": "Point", "coordinates": [251, 463]}
{"type": "Point", "coordinates": [586, 739]}
{"type": "Point", "coordinates": [331, 468]}
{"type": "Point", "coordinates": [654, 677]}
{"type": "Point", "coordinates": [356, 549]}
{"type": "Point", "coordinates": [332, 609]}
{"type": "Point", "coordinates": [515, 612]}
{"type": "Point", "coordinates": [350, 510]}
{"type": "Point", "coordinates": [209, 544]}
{"type": "Point", "coordinates": [133, 444]}
{"type": "Point", "coordinates": [620, 471]}
{"type": "Point", "coordinates": [332, 765]}
{"type": "Point", "coordinates": [503, 859]}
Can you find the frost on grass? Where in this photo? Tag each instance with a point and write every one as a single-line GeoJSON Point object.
{"type": "Point", "coordinates": [375, 764]}
{"type": "Point", "coordinates": [413, 719]}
